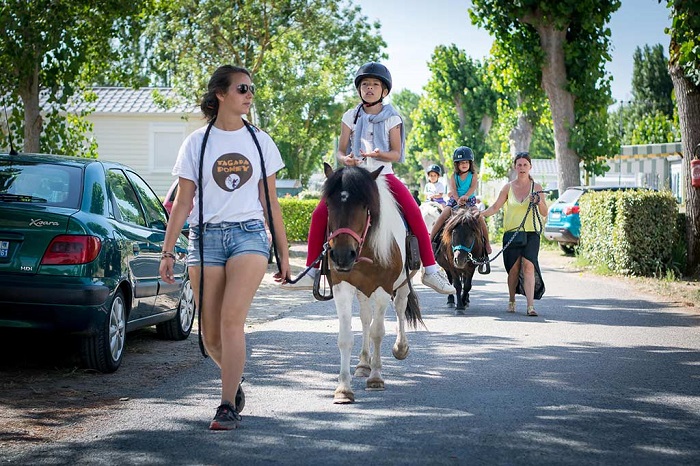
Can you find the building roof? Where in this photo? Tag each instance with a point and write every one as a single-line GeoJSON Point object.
{"type": "Point", "coordinates": [544, 167]}
{"type": "Point", "coordinates": [654, 150]}
{"type": "Point", "coordinates": [129, 100]}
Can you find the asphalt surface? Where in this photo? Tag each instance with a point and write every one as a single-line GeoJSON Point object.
{"type": "Point", "coordinates": [605, 375]}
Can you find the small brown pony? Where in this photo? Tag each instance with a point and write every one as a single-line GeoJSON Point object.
{"type": "Point", "coordinates": [461, 245]}
{"type": "Point", "coordinates": [367, 253]}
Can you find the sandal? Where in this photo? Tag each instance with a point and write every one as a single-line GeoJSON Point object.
{"type": "Point", "coordinates": [531, 311]}
{"type": "Point", "coordinates": [511, 306]}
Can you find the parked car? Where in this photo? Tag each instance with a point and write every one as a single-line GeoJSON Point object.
{"type": "Point", "coordinates": [80, 246]}
{"type": "Point", "coordinates": [563, 221]}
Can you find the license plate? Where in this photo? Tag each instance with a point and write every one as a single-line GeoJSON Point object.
{"type": "Point", "coordinates": [4, 248]}
{"type": "Point", "coordinates": [555, 216]}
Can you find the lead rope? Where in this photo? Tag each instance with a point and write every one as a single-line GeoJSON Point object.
{"type": "Point", "coordinates": [200, 205]}
{"type": "Point", "coordinates": [535, 219]}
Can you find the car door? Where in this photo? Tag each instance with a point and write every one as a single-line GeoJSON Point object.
{"type": "Point", "coordinates": [141, 249]}
{"type": "Point", "coordinates": [157, 219]}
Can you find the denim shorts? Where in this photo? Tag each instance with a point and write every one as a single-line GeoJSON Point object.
{"type": "Point", "coordinates": [471, 202]}
{"type": "Point", "coordinates": [225, 240]}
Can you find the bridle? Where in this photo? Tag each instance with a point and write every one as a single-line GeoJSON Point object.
{"type": "Point", "coordinates": [360, 239]}
{"type": "Point", "coordinates": [466, 249]}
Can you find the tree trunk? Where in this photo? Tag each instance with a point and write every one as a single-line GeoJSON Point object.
{"type": "Point", "coordinates": [688, 100]}
{"type": "Point", "coordinates": [29, 93]}
{"type": "Point", "coordinates": [561, 102]}
{"type": "Point", "coordinates": [521, 135]}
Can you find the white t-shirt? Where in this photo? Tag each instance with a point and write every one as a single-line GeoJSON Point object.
{"type": "Point", "coordinates": [370, 163]}
{"type": "Point", "coordinates": [433, 188]}
{"type": "Point", "coordinates": [231, 173]}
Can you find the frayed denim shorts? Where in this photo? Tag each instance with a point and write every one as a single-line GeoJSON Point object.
{"type": "Point", "coordinates": [225, 240]}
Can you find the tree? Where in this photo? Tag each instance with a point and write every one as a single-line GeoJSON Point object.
{"type": "Point", "coordinates": [302, 54]}
{"type": "Point", "coordinates": [684, 68]}
{"type": "Point", "coordinates": [569, 44]}
{"type": "Point", "coordinates": [651, 84]}
{"type": "Point", "coordinates": [406, 102]}
{"type": "Point", "coordinates": [458, 108]}
{"type": "Point", "coordinates": [49, 52]}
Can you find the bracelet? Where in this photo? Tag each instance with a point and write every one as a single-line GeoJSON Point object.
{"type": "Point", "coordinates": [167, 254]}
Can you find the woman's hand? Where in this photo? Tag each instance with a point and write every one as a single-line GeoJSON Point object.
{"type": "Point", "coordinates": [166, 269]}
{"type": "Point", "coordinates": [283, 275]}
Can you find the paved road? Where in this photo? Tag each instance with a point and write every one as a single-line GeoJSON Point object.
{"type": "Point", "coordinates": [606, 375]}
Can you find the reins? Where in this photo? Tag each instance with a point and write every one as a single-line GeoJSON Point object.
{"type": "Point", "coordinates": [535, 219]}
{"type": "Point", "coordinates": [200, 205]}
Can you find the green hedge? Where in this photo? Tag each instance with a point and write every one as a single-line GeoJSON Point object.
{"type": "Point", "coordinates": [297, 217]}
{"type": "Point", "coordinates": [631, 232]}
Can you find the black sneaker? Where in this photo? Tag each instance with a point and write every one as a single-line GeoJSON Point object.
{"type": "Point", "coordinates": [227, 418]}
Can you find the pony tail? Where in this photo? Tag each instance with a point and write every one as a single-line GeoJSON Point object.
{"type": "Point", "coordinates": [413, 315]}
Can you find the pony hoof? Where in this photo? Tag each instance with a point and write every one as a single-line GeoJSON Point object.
{"type": "Point", "coordinates": [400, 353]}
{"type": "Point", "coordinates": [459, 311]}
{"type": "Point", "coordinates": [343, 397]}
{"type": "Point", "coordinates": [375, 385]}
{"type": "Point", "coordinates": [450, 305]}
{"type": "Point", "coordinates": [362, 371]}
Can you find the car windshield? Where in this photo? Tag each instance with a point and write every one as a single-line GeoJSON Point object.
{"type": "Point", "coordinates": [570, 196]}
{"type": "Point", "coordinates": [42, 183]}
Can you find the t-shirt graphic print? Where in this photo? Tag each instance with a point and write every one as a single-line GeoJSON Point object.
{"type": "Point", "coordinates": [231, 171]}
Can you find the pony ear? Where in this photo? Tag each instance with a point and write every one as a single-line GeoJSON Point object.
{"type": "Point", "coordinates": [327, 169]}
{"type": "Point", "coordinates": [376, 173]}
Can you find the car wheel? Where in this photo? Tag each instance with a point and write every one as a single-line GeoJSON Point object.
{"type": "Point", "coordinates": [104, 350]}
{"type": "Point", "coordinates": [180, 326]}
{"type": "Point", "coordinates": [567, 249]}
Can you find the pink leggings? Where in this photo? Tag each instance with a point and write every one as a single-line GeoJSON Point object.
{"type": "Point", "coordinates": [411, 212]}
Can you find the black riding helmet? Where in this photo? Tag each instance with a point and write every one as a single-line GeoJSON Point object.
{"type": "Point", "coordinates": [463, 153]}
{"type": "Point", "coordinates": [373, 70]}
{"type": "Point", "coordinates": [434, 168]}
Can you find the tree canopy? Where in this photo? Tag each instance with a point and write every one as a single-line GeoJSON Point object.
{"type": "Point", "coordinates": [302, 54]}
{"type": "Point", "coordinates": [457, 109]}
{"type": "Point", "coordinates": [49, 51]}
{"type": "Point", "coordinates": [568, 42]}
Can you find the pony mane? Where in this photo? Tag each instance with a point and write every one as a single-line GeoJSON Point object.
{"type": "Point", "coordinates": [462, 217]}
{"type": "Point", "coordinates": [363, 191]}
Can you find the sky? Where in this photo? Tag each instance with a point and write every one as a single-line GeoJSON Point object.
{"type": "Point", "coordinates": [413, 28]}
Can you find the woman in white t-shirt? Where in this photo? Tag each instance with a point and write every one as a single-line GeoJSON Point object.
{"type": "Point", "coordinates": [235, 245]}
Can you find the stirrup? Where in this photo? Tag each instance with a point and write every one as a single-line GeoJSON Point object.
{"type": "Point", "coordinates": [324, 270]}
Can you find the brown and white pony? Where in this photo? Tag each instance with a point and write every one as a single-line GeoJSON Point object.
{"type": "Point", "coordinates": [367, 251]}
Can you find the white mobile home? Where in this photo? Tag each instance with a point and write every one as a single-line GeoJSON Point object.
{"type": "Point", "coordinates": [132, 128]}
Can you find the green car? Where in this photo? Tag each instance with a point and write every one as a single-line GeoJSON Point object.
{"type": "Point", "coordinates": [80, 246]}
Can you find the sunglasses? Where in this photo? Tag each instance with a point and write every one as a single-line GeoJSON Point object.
{"type": "Point", "coordinates": [244, 88]}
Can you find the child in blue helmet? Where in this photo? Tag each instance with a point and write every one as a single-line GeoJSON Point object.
{"type": "Point", "coordinates": [434, 189]}
{"type": "Point", "coordinates": [462, 187]}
